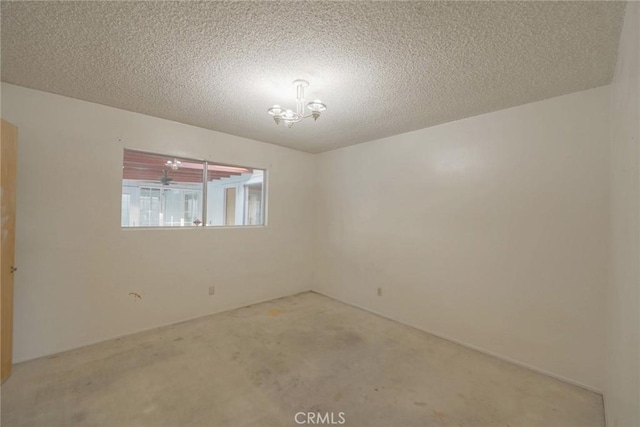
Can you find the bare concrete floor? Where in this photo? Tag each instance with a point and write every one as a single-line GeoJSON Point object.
{"type": "Point", "coordinates": [260, 365]}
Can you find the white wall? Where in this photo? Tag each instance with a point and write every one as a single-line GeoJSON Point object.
{"type": "Point", "coordinates": [77, 267]}
{"type": "Point", "coordinates": [491, 231]}
{"type": "Point", "coordinates": [622, 397]}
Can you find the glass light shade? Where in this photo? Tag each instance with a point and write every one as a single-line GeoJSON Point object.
{"type": "Point", "coordinates": [316, 105]}
{"type": "Point", "coordinates": [289, 115]}
{"type": "Point", "coordinates": [276, 110]}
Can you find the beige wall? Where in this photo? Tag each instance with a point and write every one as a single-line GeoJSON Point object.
{"type": "Point", "coordinates": [77, 267]}
{"type": "Point", "coordinates": [622, 397]}
{"type": "Point", "coordinates": [491, 231]}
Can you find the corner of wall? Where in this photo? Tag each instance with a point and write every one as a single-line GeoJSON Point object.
{"type": "Point", "coordinates": [622, 365]}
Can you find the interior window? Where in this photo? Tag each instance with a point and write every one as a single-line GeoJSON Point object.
{"type": "Point", "coordinates": [166, 191]}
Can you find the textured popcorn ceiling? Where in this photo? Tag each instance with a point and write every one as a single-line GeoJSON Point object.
{"type": "Point", "coordinates": [382, 68]}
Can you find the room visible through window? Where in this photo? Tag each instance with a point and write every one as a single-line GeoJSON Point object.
{"type": "Point", "coordinates": [168, 191]}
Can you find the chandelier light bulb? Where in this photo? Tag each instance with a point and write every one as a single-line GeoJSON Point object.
{"type": "Point", "coordinates": [288, 116]}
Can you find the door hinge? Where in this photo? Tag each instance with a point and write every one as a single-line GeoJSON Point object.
{"type": "Point", "coordinates": [14, 269]}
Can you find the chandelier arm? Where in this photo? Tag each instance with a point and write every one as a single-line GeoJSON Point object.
{"type": "Point", "coordinates": [298, 118]}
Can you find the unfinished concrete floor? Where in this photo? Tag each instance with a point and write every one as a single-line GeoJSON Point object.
{"type": "Point", "coordinates": [260, 365]}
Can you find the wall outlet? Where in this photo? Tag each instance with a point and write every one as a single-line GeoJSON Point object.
{"type": "Point", "coordinates": [379, 292]}
{"type": "Point", "coordinates": [212, 290]}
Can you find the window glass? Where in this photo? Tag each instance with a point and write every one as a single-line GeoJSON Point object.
{"type": "Point", "coordinates": [166, 191]}
{"type": "Point", "coordinates": [235, 196]}
{"type": "Point", "coordinates": [124, 218]}
{"type": "Point", "coordinates": [161, 191]}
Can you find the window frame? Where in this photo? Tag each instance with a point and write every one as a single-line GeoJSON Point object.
{"type": "Point", "coordinates": [205, 172]}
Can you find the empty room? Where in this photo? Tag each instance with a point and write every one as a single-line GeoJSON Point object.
{"type": "Point", "coordinates": [295, 213]}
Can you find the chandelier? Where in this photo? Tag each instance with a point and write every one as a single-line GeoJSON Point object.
{"type": "Point", "coordinates": [289, 117]}
{"type": "Point", "coordinates": [173, 164]}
